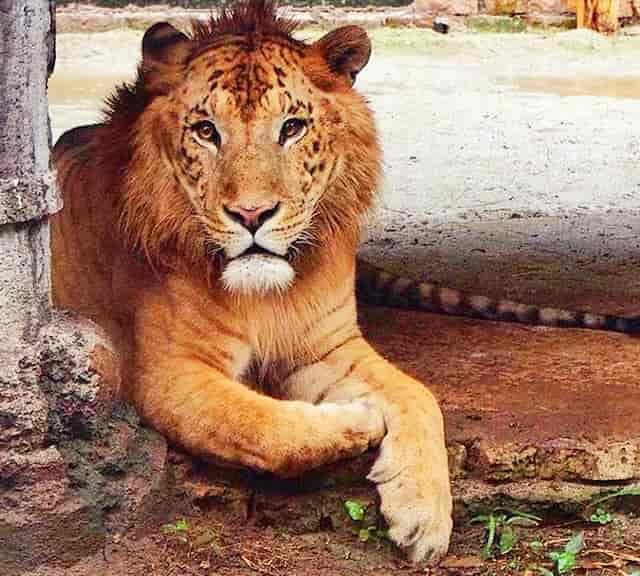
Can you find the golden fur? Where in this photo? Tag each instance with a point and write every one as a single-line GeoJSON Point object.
{"type": "Point", "coordinates": [158, 201]}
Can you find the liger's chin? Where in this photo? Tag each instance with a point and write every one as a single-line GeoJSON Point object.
{"type": "Point", "coordinates": [257, 274]}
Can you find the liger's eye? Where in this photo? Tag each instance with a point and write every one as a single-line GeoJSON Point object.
{"type": "Point", "coordinates": [207, 132]}
{"type": "Point", "coordinates": [292, 129]}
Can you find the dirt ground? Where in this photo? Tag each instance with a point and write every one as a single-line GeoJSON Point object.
{"type": "Point", "coordinates": [519, 179]}
{"type": "Point", "coordinates": [217, 541]}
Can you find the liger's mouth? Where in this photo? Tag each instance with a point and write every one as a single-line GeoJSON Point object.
{"type": "Point", "coordinates": [256, 249]}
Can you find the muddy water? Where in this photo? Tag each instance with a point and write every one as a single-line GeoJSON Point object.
{"type": "Point", "coordinates": [601, 86]}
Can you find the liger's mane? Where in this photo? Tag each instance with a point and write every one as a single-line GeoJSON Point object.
{"type": "Point", "coordinates": [157, 222]}
{"type": "Point", "coordinates": [252, 18]}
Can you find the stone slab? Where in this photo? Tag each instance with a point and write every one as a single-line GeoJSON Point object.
{"type": "Point", "coordinates": [522, 402]}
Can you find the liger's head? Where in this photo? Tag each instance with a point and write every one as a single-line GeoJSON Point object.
{"type": "Point", "coordinates": [247, 147]}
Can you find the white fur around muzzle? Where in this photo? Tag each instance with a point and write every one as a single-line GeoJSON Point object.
{"type": "Point", "coordinates": [257, 274]}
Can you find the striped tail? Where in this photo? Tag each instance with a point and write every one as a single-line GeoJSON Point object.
{"type": "Point", "coordinates": [375, 286]}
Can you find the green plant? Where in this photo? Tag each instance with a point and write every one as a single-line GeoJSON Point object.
{"type": "Point", "coordinates": [178, 529]}
{"type": "Point", "coordinates": [564, 561]}
{"type": "Point", "coordinates": [600, 516]}
{"type": "Point", "coordinates": [366, 526]}
{"type": "Point", "coordinates": [356, 510]}
{"type": "Point", "coordinates": [499, 526]}
{"type": "Point", "coordinates": [597, 513]}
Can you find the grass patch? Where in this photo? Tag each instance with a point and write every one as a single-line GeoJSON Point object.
{"type": "Point", "coordinates": [496, 24]}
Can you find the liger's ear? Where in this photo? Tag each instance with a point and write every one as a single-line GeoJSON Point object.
{"type": "Point", "coordinates": [346, 50]}
{"type": "Point", "coordinates": [163, 44]}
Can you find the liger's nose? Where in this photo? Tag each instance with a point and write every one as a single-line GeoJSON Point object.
{"type": "Point", "coordinates": [252, 217]}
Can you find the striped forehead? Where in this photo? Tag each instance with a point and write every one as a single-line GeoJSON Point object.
{"type": "Point", "coordinates": [253, 80]}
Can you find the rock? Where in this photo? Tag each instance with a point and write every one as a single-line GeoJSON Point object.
{"type": "Point", "coordinates": [453, 7]}
{"type": "Point", "coordinates": [536, 495]}
{"type": "Point", "coordinates": [457, 460]}
{"type": "Point", "coordinates": [23, 412]}
{"type": "Point", "coordinates": [18, 469]}
{"type": "Point", "coordinates": [78, 373]}
{"type": "Point", "coordinates": [577, 460]}
{"type": "Point", "coordinates": [493, 462]}
{"type": "Point", "coordinates": [207, 486]}
{"type": "Point", "coordinates": [81, 461]}
{"type": "Point", "coordinates": [546, 6]}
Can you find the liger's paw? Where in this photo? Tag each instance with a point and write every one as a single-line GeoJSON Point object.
{"type": "Point", "coordinates": [416, 503]}
{"type": "Point", "coordinates": [360, 424]}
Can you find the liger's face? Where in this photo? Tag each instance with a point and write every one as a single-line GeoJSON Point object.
{"type": "Point", "coordinates": [258, 146]}
{"type": "Point", "coordinates": [257, 150]}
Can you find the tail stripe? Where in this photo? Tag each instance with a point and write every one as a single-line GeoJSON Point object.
{"type": "Point", "coordinates": [379, 287]}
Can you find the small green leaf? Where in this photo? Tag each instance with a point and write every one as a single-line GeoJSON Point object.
{"type": "Point", "coordinates": [565, 562]}
{"type": "Point", "coordinates": [482, 518]}
{"type": "Point", "coordinates": [365, 533]}
{"type": "Point", "coordinates": [544, 571]}
{"type": "Point", "coordinates": [355, 509]}
{"type": "Point", "coordinates": [508, 539]}
{"type": "Point", "coordinates": [491, 536]}
{"type": "Point", "coordinates": [600, 516]}
{"type": "Point", "coordinates": [182, 525]}
{"type": "Point", "coordinates": [178, 526]}
{"type": "Point", "coordinates": [575, 544]}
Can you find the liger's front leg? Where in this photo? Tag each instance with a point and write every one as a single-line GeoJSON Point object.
{"type": "Point", "coordinates": [189, 352]}
{"type": "Point", "coordinates": [411, 471]}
